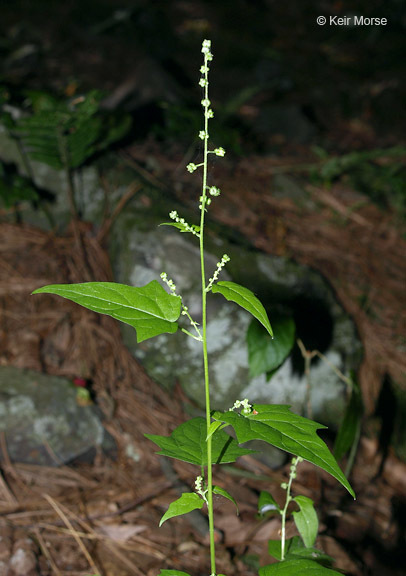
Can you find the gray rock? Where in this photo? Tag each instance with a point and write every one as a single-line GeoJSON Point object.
{"type": "Point", "coordinates": [141, 251]}
{"type": "Point", "coordinates": [42, 421]}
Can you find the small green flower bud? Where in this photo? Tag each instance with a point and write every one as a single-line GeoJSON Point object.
{"type": "Point", "coordinates": [206, 46]}
{"type": "Point", "coordinates": [219, 151]}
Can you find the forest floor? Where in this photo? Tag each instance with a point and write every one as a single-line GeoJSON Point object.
{"type": "Point", "coordinates": [113, 507]}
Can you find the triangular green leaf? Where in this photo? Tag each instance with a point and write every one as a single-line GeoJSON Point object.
{"type": "Point", "coordinates": [277, 425]}
{"type": "Point", "coordinates": [222, 492]}
{"type": "Point", "coordinates": [306, 520]}
{"type": "Point", "coordinates": [188, 443]}
{"type": "Point", "coordinates": [265, 354]}
{"type": "Point", "coordinates": [150, 309]}
{"type": "Point", "coordinates": [188, 502]}
{"type": "Point", "coordinates": [297, 567]}
{"type": "Point", "coordinates": [267, 503]}
{"type": "Point", "coordinates": [244, 298]}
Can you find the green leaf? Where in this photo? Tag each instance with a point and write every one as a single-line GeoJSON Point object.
{"type": "Point", "coordinates": [221, 492]}
{"type": "Point", "coordinates": [216, 425]}
{"type": "Point", "coordinates": [267, 503]}
{"type": "Point", "coordinates": [294, 549]}
{"type": "Point", "coordinates": [277, 425]}
{"type": "Point", "coordinates": [306, 520]}
{"type": "Point", "coordinates": [349, 430]}
{"type": "Point", "coordinates": [275, 548]}
{"type": "Point", "coordinates": [188, 443]}
{"type": "Point", "coordinates": [188, 502]}
{"type": "Point", "coordinates": [265, 354]}
{"type": "Point", "coordinates": [297, 567]}
{"type": "Point", "coordinates": [172, 573]}
{"type": "Point", "coordinates": [150, 309]}
{"type": "Point", "coordinates": [244, 298]}
{"type": "Point", "coordinates": [310, 554]}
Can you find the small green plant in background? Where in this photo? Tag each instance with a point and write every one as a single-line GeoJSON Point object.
{"type": "Point", "coordinates": [379, 174]}
{"type": "Point", "coordinates": [203, 441]}
{"type": "Point", "coordinates": [298, 552]}
{"type": "Point", "coordinates": [63, 134]}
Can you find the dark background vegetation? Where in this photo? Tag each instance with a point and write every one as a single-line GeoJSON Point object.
{"type": "Point", "coordinates": [282, 83]}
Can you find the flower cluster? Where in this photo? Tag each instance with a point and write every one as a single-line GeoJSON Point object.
{"type": "Point", "coordinates": [208, 114]}
{"type": "Point", "coordinates": [206, 50]}
{"type": "Point", "coordinates": [171, 285]}
{"type": "Point", "coordinates": [204, 83]}
{"type": "Point", "coordinates": [292, 475]}
{"type": "Point", "coordinates": [200, 489]}
{"type": "Point", "coordinates": [184, 225]}
{"type": "Point", "coordinates": [214, 191]}
{"type": "Point", "coordinates": [185, 312]}
{"type": "Point", "coordinates": [203, 202]}
{"type": "Point", "coordinates": [191, 167]}
{"type": "Point", "coordinates": [244, 404]}
{"type": "Point", "coordinates": [220, 265]}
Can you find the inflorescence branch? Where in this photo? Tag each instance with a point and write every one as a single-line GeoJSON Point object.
{"type": "Point", "coordinates": [220, 265]}
{"type": "Point", "coordinates": [185, 311]}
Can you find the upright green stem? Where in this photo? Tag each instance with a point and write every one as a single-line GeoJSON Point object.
{"type": "Point", "coordinates": [204, 335]}
{"type": "Point", "coordinates": [288, 487]}
{"type": "Point", "coordinates": [283, 513]}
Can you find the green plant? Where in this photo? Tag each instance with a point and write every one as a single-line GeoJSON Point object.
{"type": "Point", "coordinates": [152, 310]}
{"type": "Point", "coordinates": [349, 431]}
{"type": "Point", "coordinates": [64, 134]}
{"type": "Point", "coordinates": [298, 552]}
{"type": "Point", "coordinates": [265, 353]}
{"type": "Point", "coordinates": [379, 174]}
